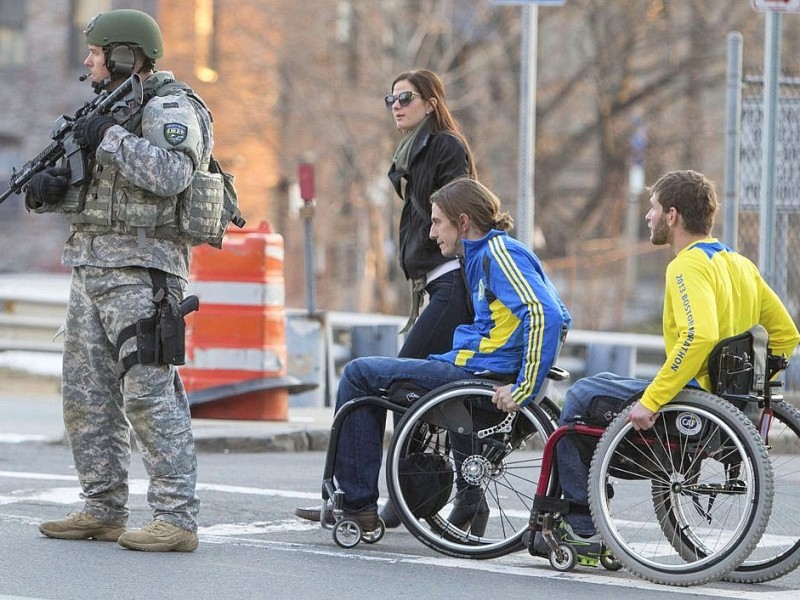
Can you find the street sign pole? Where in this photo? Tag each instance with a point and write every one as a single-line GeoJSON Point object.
{"type": "Point", "coordinates": [527, 125]}
{"type": "Point", "coordinates": [524, 223]}
{"type": "Point", "coordinates": [305, 179]}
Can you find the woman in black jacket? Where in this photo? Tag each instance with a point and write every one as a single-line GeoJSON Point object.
{"type": "Point", "coordinates": [432, 152]}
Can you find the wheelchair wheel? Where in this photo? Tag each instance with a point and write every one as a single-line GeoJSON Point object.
{"type": "Point", "coordinates": [778, 551]}
{"type": "Point", "coordinates": [551, 409]}
{"type": "Point", "coordinates": [372, 537]}
{"type": "Point", "coordinates": [347, 533]}
{"type": "Point", "coordinates": [486, 466]}
{"type": "Point", "coordinates": [692, 495]}
{"type": "Point", "coordinates": [610, 563]}
{"type": "Point", "coordinates": [564, 558]}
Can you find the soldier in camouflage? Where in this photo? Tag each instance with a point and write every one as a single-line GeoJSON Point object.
{"type": "Point", "coordinates": [125, 233]}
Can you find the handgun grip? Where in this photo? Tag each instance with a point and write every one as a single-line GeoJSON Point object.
{"type": "Point", "coordinates": [189, 304]}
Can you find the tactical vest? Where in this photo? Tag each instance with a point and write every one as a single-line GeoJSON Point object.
{"type": "Point", "coordinates": [112, 204]}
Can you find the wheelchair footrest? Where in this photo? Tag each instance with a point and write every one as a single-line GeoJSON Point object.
{"type": "Point", "coordinates": [545, 504]}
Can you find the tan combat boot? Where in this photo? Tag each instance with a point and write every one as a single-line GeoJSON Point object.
{"type": "Point", "coordinates": [159, 536]}
{"type": "Point", "coordinates": [81, 526]}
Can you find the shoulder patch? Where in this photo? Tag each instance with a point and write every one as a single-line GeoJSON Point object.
{"type": "Point", "coordinates": [175, 133]}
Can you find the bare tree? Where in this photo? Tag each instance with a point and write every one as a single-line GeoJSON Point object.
{"type": "Point", "coordinates": [602, 68]}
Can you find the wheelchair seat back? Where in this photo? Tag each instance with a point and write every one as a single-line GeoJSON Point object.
{"type": "Point", "coordinates": [737, 366]}
{"type": "Point", "coordinates": [738, 370]}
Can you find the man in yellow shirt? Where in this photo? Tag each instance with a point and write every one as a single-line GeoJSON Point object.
{"type": "Point", "coordinates": [711, 293]}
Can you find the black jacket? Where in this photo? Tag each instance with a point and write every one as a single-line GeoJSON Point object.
{"type": "Point", "coordinates": [436, 159]}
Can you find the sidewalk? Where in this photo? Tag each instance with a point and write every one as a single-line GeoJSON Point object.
{"type": "Point", "coordinates": [31, 411]}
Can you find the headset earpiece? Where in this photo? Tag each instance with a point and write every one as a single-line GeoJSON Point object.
{"type": "Point", "coordinates": [120, 61]}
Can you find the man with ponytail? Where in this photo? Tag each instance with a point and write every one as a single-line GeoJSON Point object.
{"type": "Point", "coordinates": [518, 326]}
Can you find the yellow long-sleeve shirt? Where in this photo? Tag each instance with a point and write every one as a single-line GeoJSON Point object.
{"type": "Point", "coordinates": [712, 293]}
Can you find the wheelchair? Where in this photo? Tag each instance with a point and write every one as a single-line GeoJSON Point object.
{"type": "Point", "coordinates": [687, 501]}
{"type": "Point", "coordinates": [704, 454]}
{"type": "Point", "coordinates": [683, 503]}
{"type": "Point", "coordinates": [452, 443]}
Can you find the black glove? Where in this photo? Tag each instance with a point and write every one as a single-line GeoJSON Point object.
{"type": "Point", "coordinates": [50, 185]}
{"type": "Point", "coordinates": [89, 131]}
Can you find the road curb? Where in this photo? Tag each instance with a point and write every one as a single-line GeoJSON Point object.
{"type": "Point", "coordinates": [314, 440]}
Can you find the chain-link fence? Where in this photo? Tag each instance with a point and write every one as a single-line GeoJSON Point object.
{"type": "Point", "coordinates": [786, 236]}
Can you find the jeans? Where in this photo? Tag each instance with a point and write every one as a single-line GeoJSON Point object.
{"type": "Point", "coordinates": [447, 309]}
{"type": "Point", "coordinates": [573, 473]}
{"type": "Point", "coordinates": [433, 331]}
{"type": "Point", "coordinates": [360, 449]}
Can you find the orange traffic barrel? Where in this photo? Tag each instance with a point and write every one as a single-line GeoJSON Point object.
{"type": "Point", "coordinates": [236, 343]}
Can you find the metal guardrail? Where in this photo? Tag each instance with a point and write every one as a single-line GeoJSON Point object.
{"type": "Point", "coordinates": [31, 315]}
{"type": "Point", "coordinates": [32, 310]}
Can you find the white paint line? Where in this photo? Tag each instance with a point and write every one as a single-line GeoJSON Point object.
{"type": "Point", "coordinates": [259, 527]}
{"type": "Point", "coordinates": [39, 476]}
{"type": "Point", "coordinates": [235, 489]}
{"type": "Point", "coordinates": [19, 438]}
{"type": "Point", "coordinates": [25, 520]}
{"type": "Point", "coordinates": [71, 495]}
{"type": "Point", "coordinates": [63, 495]}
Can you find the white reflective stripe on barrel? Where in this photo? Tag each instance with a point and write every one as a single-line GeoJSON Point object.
{"type": "Point", "coordinates": [236, 359]}
{"type": "Point", "coordinates": [236, 293]}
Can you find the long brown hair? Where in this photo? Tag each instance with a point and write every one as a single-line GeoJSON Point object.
{"type": "Point", "coordinates": [431, 87]}
{"type": "Point", "coordinates": [470, 197]}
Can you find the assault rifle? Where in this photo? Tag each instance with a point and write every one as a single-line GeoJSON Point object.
{"type": "Point", "coordinates": [121, 103]}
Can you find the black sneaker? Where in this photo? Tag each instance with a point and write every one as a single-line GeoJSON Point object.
{"type": "Point", "coordinates": [588, 549]}
{"type": "Point", "coordinates": [538, 546]}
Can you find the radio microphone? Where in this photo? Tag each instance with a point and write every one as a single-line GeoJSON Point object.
{"type": "Point", "coordinates": [84, 77]}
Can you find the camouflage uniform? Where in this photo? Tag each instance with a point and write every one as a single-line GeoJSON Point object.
{"type": "Point", "coordinates": [126, 227]}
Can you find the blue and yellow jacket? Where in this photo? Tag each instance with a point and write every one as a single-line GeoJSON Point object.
{"type": "Point", "coordinates": [518, 315]}
{"type": "Point", "coordinates": [712, 293]}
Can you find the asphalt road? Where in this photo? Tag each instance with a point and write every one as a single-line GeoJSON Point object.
{"type": "Point", "coordinates": [252, 546]}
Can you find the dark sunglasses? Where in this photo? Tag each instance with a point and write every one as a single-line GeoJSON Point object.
{"type": "Point", "coordinates": [404, 98]}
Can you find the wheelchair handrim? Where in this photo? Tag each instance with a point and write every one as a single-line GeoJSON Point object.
{"type": "Point", "coordinates": [443, 536]}
{"type": "Point", "coordinates": [738, 533]}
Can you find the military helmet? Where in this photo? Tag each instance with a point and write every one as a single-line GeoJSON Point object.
{"type": "Point", "coordinates": [126, 26]}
